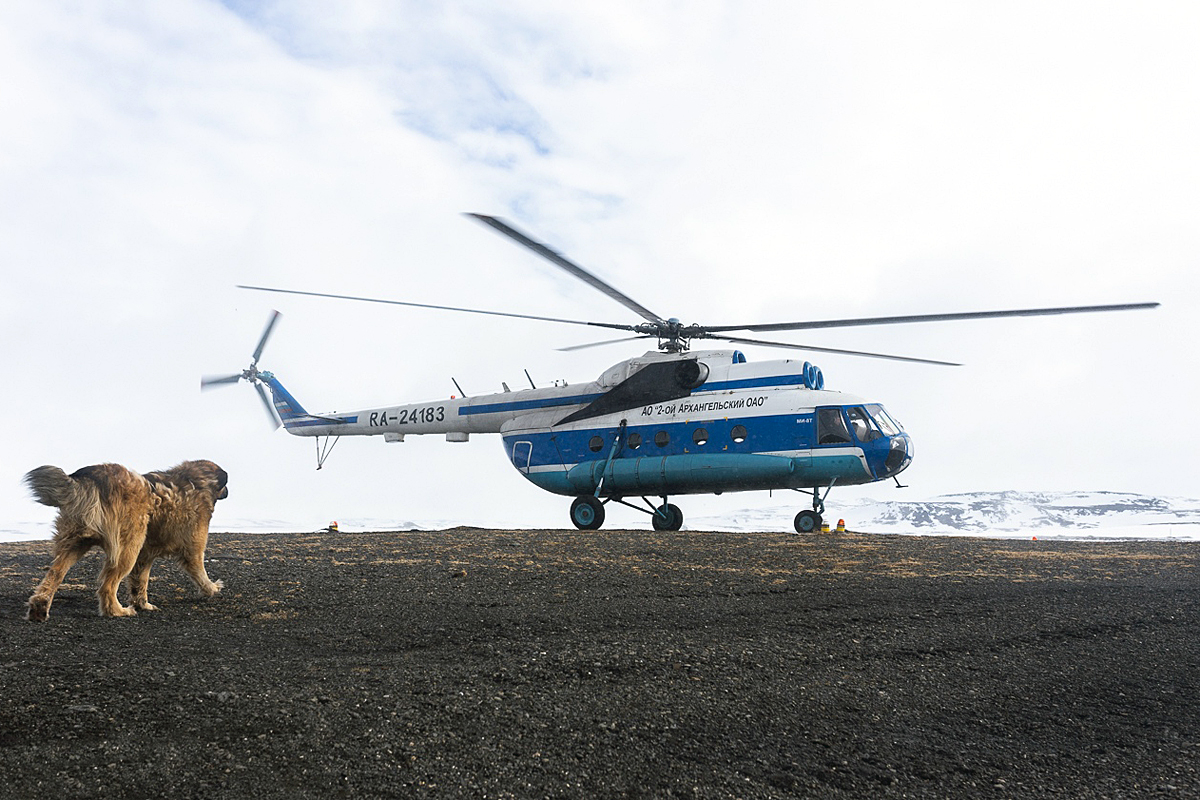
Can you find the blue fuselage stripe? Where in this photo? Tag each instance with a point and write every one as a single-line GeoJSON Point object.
{"type": "Point", "coordinates": [526, 405]}
{"type": "Point", "coordinates": [793, 431]}
{"type": "Point", "coordinates": [580, 399]}
{"type": "Point", "coordinates": [753, 383]}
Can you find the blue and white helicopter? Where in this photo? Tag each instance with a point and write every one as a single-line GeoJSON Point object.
{"type": "Point", "coordinates": [674, 421]}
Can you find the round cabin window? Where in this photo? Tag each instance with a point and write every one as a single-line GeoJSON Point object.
{"type": "Point", "coordinates": [595, 444]}
{"type": "Point", "coordinates": [662, 438]}
{"type": "Point", "coordinates": [738, 434]}
{"type": "Point", "coordinates": [700, 437]}
{"type": "Point", "coordinates": [635, 441]}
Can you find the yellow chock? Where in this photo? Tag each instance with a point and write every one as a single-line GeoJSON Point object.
{"type": "Point", "coordinates": [841, 526]}
{"type": "Point", "coordinates": [824, 527]}
{"type": "Point", "coordinates": [333, 528]}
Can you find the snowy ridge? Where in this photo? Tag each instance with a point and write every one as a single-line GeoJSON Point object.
{"type": "Point", "coordinates": [981, 511]}
{"type": "Point", "coordinates": [1070, 515]}
{"type": "Point", "coordinates": [32, 531]}
{"type": "Point", "coordinates": [1074, 515]}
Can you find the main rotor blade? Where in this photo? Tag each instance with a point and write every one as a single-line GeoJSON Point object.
{"type": "Point", "coordinates": [208, 383]}
{"type": "Point", "coordinates": [262, 393]}
{"type": "Point", "coordinates": [573, 348]}
{"type": "Point", "coordinates": [789, 346]}
{"type": "Point", "coordinates": [262, 342]}
{"type": "Point", "coordinates": [849, 323]}
{"type": "Point", "coordinates": [614, 326]}
{"type": "Point", "coordinates": [571, 267]}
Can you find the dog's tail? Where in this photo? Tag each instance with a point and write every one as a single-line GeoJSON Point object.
{"type": "Point", "coordinates": [80, 496]}
{"type": "Point", "coordinates": [53, 487]}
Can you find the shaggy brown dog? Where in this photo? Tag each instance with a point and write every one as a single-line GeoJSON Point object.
{"type": "Point", "coordinates": [135, 519]}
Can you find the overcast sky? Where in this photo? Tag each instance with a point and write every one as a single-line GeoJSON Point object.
{"type": "Point", "coordinates": [724, 163]}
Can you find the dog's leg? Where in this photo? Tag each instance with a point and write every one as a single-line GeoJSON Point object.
{"type": "Point", "coordinates": [117, 564]}
{"type": "Point", "coordinates": [139, 582]}
{"type": "Point", "coordinates": [193, 564]}
{"type": "Point", "coordinates": [67, 550]}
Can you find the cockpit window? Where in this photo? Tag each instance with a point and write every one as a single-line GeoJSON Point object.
{"type": "Point", "coordinates": [831, 427]}
{"type": "Point", "coordinates": [864, 431]}
{"type": "Point", "coordinates": [886, 424]}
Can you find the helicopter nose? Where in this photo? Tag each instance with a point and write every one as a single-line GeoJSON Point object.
{"type": "Point", "coordinates": [899, 454]}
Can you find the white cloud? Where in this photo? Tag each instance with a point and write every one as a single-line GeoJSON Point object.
{"type": "Point", "coordinates": [719, 163]}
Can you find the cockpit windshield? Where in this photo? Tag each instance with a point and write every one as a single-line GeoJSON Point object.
{"type": "Point", "coordinates": [886, 424]}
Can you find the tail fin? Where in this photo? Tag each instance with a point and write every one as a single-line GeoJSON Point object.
{"type": "Point", "coordinates": [51, 486]}
{"type": "Point", "coordinates": [288, 407]}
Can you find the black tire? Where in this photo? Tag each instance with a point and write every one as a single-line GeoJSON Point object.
{"type": "Point", "coordinates": [808, 522]}
{"type": "Point", "coordinates": [667, 518]}
{"type": "Point", "coordinates": [587, 513]}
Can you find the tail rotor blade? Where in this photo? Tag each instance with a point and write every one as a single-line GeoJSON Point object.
{"type": "Point", "coordinates": [208, 383]}
{"type": "Point", "coordinates": [262, 342]}
{"type": "Point", "coordinates": [262, 393]}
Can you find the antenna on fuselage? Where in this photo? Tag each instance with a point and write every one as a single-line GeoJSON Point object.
{"type": "Point", "coordinates": [456, 386]}
{"type": "Point", "coordinates": [530, 380]}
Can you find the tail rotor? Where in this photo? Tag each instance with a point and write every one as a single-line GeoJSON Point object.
{"type": "Point", "coordinates": [252, 374]}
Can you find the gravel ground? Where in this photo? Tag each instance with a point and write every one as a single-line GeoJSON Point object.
{"type": "Point", "coordinates": [476, 663]}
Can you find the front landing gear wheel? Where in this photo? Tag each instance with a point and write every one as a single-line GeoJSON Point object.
{"type": "Point", "coordinates": [808, 522]}
{"type": "Point", "coordinates": [587, 513]}
{"type": "Point", "coordinates": [667, 517]}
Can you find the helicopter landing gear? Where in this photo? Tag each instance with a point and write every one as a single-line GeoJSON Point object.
{"type": "Point", "coordinates": [810, 521]}
{"type": "Point", "coordinates": [587, 513]}
{"type": "Point", "coordinates": [667, 517]}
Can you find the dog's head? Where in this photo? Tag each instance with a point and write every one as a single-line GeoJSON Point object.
{"type": "Point", "coordinates": [201, 475]}
{"type": "Point", "coordinates": [215, 478]}
{"type": "Point", "coordinates": [222, 484]}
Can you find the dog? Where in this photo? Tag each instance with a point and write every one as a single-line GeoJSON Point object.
{"type": "Point", "coordinates": [135, 519]}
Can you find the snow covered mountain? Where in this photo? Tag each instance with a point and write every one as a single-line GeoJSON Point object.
{"type": "Point", "coordinates": [1075, 515]}
{"type": "Point", "coordinates": [1070, 515]}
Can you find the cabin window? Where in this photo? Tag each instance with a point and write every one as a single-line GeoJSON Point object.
{"type": "Point", "coordinates": [700, 437]}
{"type": "Point", "coordinates": [738, 433]}
{"type": "Point", "coordinates": [635, 441]}
{"type": "Point", "coordinates": [595, 444]}
{"type": "Point", "coordinates": [831, 427]}
{"type": "Point", "coordinates": [662, 439]}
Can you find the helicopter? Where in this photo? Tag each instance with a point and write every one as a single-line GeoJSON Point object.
{"type": "Point", "coordinates": [674, 421]}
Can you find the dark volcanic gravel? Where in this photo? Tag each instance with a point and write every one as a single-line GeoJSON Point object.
{"type": "Point", "coordinates": [474, 663]}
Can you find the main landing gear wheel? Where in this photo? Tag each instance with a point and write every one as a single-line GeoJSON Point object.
{"type": "Point", "coordinates": [808, 522]}
{"type": "Point", "coordinates": [667, 517]}
{"type": "Point", "coordinates": [587, 513]}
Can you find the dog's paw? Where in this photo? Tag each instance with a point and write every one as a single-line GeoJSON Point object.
{"type": "Point", "coordinates": [215, 587]}
{"type": "Point", "coordinates": [119, 611]}
{"type": "Point", "coordinates": [145, 607]}
{"type": "Point", "coordinates": [39, 610]}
